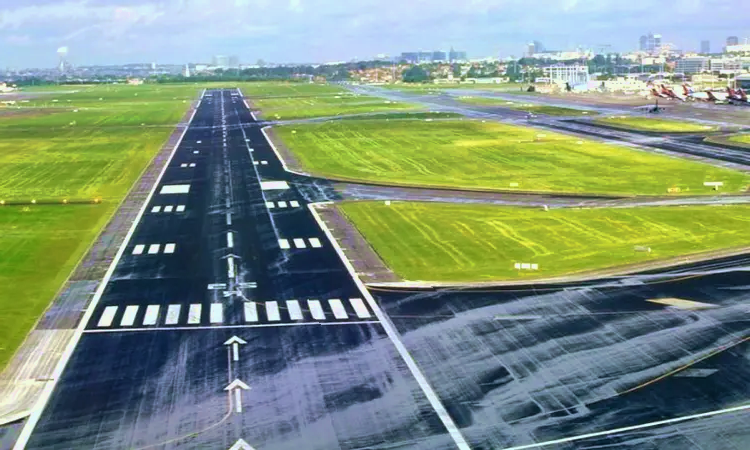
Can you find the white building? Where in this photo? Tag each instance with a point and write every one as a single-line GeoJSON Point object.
{"type": "Point", "coordinates": [726, 65]}
{"type": "Point", "coordinates": [740, 48]}
{"type": "Point", "coordinates": [695, 64]}
{"type": "Point", "coordinates": [575, 75]}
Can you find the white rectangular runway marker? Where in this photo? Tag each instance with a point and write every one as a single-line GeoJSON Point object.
{"type": "Point", "coordinates": [138, 249]}
{"type": "Point", "coordinates": [284, 244]}
{"type": "Point", "coordinates": [282, 204]}
{"type": "Point", "coordinates": [168, 208]}
{"type": "Point", "coordinates": [300, 243]}
{"type": "Point", "coordinates": [152, 313]}
{"type": "Point", "coordinates": [156, 209]}
{"type": "Point", "coordinates": [360, 308]}
{"type": "Point", "coordinates": [183, 165]}
{"type": "Point", "coordinates": [230, 239]}
{"type": "Point", "coordinates": [192, 164]}
{"type": "Point", "coordinates": [169, 248]}
{"type": "Point", "coordinates": [274, 185]}
{"type": "Point", "coordinates": [251, 312]}
{"type": "Point", "coordinates": [153, 249]}
{"type": "Point", "coordinates": [107, 316]}
{"type": "Point", "coordinates": [180, 208]}
{"type": "Point", "coordinates": [264, 163]}
{"type": "Point", "coordinates": [217, 313]}
{"type": "Point", "coordinates": [270, 205]}
{"type": "Point", "coordinates": [129, 316]}
{"type": "Point", "coordinates": [175, 189]}
{"type": "Point", "coordinates": [338, 309]}
{"type": "Point", "coordinates": [294, 203]}
{"type": "Point", "coordinates": [173, 314]}
{"type": "Point", "coordinates": [316, 310]}
{"type": "Point", "coordinates": [272, 311]}
{"type": "Point", "coordinates": [295, 313]}
{"type": "Point", "coordinates": [194, 314]}
{"type": "Point", "coordinates": [315, 242]}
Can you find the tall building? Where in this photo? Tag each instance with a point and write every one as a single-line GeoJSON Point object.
{"type": "Point", "coordinates": [455, 55]}
{"type": "Point", "coordinates": [438, 55]}
{"type": "Point", "coordinates": [410, 57]}
{"type": "Point", "coordinates": [733, 40]}
{"type": "Point", "coordinates": [705, 47]}
{"type": "Point", "coordinates": [234, 62]}
{"type": "Point", "coordinates": [538, 47]}
{"type": "Point", "coordinates": [650, 43]}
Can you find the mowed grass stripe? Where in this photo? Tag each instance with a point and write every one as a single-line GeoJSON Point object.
{"type": "Point", "coordinates": [285, 108]}
{"type": "Point", "coordinates": [469, 154]}
{"type": "Point", "coordinates": [450, 242]}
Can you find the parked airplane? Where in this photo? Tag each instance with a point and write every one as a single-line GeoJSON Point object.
{"type": "Point", "coordinates": [738, 97]}
{"type": "Point", "coordinates": [706, 96]}
{"type": "Point", "coordinates": [672, 94]}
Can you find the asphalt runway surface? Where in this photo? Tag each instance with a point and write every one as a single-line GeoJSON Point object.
{"type": "Point", "coordinates": [230, 315]}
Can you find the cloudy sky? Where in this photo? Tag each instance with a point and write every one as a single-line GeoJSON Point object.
{"type": "Point", "coordinates": [178, 31]}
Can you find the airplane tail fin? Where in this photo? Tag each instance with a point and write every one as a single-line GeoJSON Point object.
{"type": "Point", "coordinates": [711, 96]}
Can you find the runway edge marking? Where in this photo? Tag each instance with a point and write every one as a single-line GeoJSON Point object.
{"type": "Point", "coordinates": [393, 335]}
{"type": "Point", "coordinates": [38, 409]}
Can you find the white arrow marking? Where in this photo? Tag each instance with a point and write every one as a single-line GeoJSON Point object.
{"type": "Point", "coordinates": [241, 445]}
{"type": "Point", "coordinates": [237, 386]}
{"type": "Point", "coordinates": [235, 342]}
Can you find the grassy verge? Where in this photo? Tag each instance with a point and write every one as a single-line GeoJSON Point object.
{"type": "Point", "coordinates": [655, 124]}
{"type": "Point", "coordinates": [84, 145]}
{"type": "Point", "coordinates": [450, 242]}
{"type": "Point", "coordinates": [408, 115]}
{"type": "Point", "coordinates": [528, 107]}
{"type": "Point", "coordinates": [339, 104]}
{"type": "Point", "coordinates": [469, 154]}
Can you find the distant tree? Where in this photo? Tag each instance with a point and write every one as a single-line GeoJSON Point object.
{"type": "Point", "coordinates": [415, 74]}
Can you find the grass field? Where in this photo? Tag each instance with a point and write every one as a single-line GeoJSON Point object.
{"type": "Point", "coordinates": [39, 246]}
{"type": "Point", "coordinates": [411, 87]}
{"type": "Point", "coordinates": [528, 107]}
{"type": "Point", "coordinates": [741, 138]}
{"type": "Point", "coordinates": [654, 124]}
{"type": "Point", "coordinates": [451, 242]}
{"type": "Point", "coordinates": [337, 104]}
{"type": "Point", "coordinates": [77, 148]}
{"type": "Point", "coordinates": [267, 89]}
{"type": "Point", "coordinates": [474, 155]}
{"type": "Point", "coordinates": [408, 116]}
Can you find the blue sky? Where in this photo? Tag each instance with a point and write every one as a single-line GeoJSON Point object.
{"type": "Point", "coordinates": [178, 31]}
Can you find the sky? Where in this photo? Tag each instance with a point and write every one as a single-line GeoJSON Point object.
{"type": "Point", "coordinates": [181, 31]}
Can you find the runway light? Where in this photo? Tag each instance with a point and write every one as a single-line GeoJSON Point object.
{"type": "Point", "coordinates": [2, 202]}
{"type": "Point", "coordinates": [65, 200]}
{"type": "Point", "coordinates": [33, 202]}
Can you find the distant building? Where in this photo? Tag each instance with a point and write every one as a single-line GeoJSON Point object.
{"type": "Point", "coordinates": [650, 43]}
{"type": "Point", "coordinates": [438, 55]}
{"type": "Point", "coordinates": [410, 57]}
{"type": "Point", "coordinates": [186, 72]}
{"type": "Point", "coordinates": [743, 82]}
{"type": "Point", "coordinates": [234, 62]}
{"type": "Point", "coordinates": [726, 65]}
{"type": "Point", "coordinates": [733, 40]}
{"type": "Point", "coordinates": [739, 48]}
{"type": "Point", "coordinates": [425, 57]}
{"type": "Point", "coordinates": [574, 75]}
{"type": "Point", "coordinates": [695, 64]}
{"type": "Point", "coordinates": [455, 55]}
{"type": "Point", "coordinates": [705, 47]}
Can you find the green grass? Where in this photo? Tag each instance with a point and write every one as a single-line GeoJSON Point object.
{"type": "Point", "coordinates": [529, 107]}
{"type": "Point", "coordinates": [266, 89]}
{"type": "Point", "coordinates": [77, 148]}
{"type": "Point", "coordinates": [299, 107]}
{"type": "Point", "coordinates": [741, 138]}
{"type": "Point", "coordinates": [470, 154]}
{"type": "Point", "coordinates": [411, 87]}
{"type": "Point", "coordinates": [451, 242]}
{"type": "Point", "coordinates": [39, 246]}
{"type": "Point", "coordinates": [654, 124]}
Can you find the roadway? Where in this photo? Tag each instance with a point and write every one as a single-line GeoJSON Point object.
{"type": "Point", "coordinates": [179, 332]}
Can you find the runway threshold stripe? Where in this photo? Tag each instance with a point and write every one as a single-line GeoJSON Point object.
{"type": "Point", "coordinates": [300, 243]}
{"type": "Point", "coordinates": [152, 313]}
{"type": "Point", "coordinates": [138, 249]}
{"type": "Point", "coordinates": [173, 314]}
{"type": "Point", "coordinates": [284, 244]}
{"type": "Point", "coordinates": [169, 248]}
{"type": "Point", "coordinates": [295, 312]}
{"type": "Point", "coordinates": [107, 316]}
{"type": "Point", "coordinates": [315, 243]}
{"type": "Point", "coordinates": [272, 311]}
{"type": "Point", "coordinates": [294, 203]}
{"type": "Point", "coordinates": [338, 309]}
{"type": "Point", "coordinates": [316, 310]}
{"type": "Point", "coordinates": [217, 313]}
{"type": "Point", "coordinates": [215, 327]}
{"type": "Point", "coordinates": [194, 314]}
{"type": "Point", "coordinates": [156, 209]}
{"type": "Point", "coordinates": [180, 208]}
{"type": "Point", "coordinates": [282, 204]}
{"type": "Point", "coordinates": [251, 312]}
{"type": "Point", "coordinates": [128, 318]}
{"type": "Point", "coordinates": [270, 205]}
{"type": "Point", "coordinates": [153, 249]}
{"type": "Point", "coordinates": [360, 308]}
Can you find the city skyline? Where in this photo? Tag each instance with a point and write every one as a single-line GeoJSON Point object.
{"type": "Point", "coordinates": [178, 31]}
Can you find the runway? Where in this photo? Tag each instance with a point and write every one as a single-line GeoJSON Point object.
{"type": "Point", "coordinates": [230, 320]}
